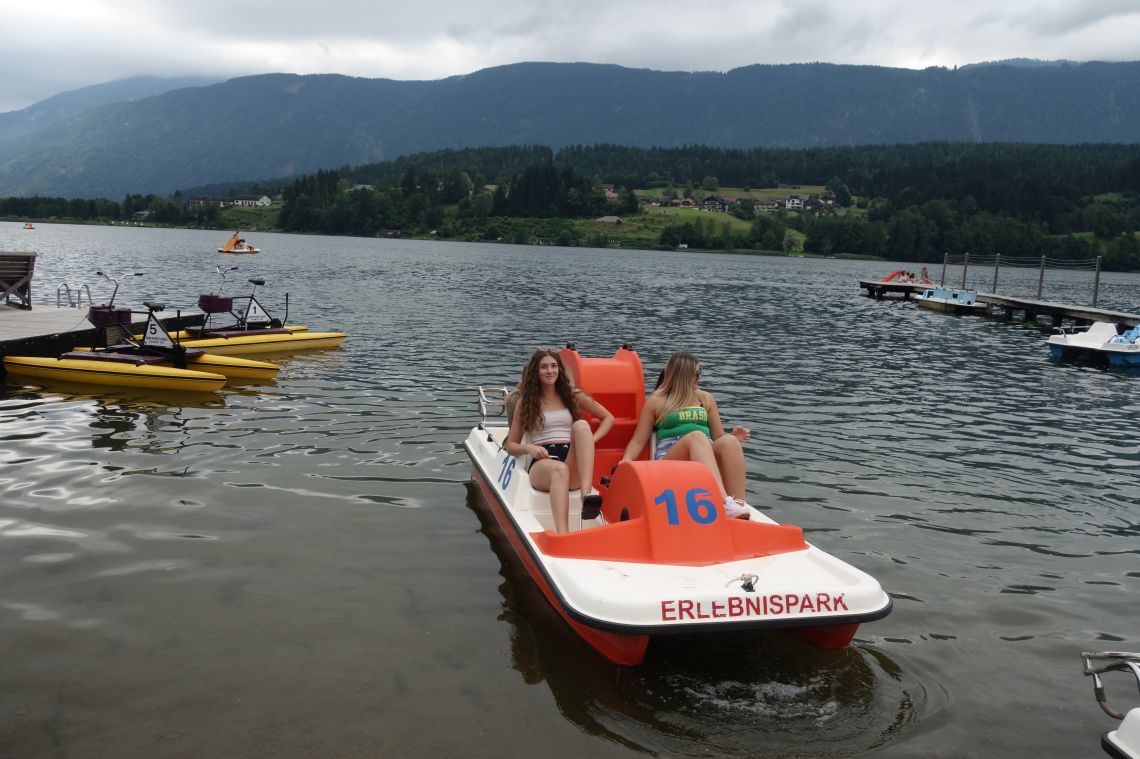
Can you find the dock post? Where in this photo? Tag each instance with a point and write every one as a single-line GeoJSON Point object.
{"type": "Point", "coordinates": [945, 258]}
{"type": "Point", "coordinates": [1096, 281]}
{"type": "Point", "coordinates": [1041, 279]}
{"type": "Point", "coordinates": [997, 265]}
{"type": "Point", "coordinates": [965, 268]}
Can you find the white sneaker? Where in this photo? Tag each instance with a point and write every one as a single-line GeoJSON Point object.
{"type": "Point", "coordinates": [735, 508]}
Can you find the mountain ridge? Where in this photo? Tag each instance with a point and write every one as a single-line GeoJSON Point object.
{"type": "Point", "coordinates": [277, 125]}
{"type": "Point", "coordinates": [65, 105]}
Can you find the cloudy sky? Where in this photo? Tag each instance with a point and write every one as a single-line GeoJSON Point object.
{"type": "Point", "coordinates": [50, 46]}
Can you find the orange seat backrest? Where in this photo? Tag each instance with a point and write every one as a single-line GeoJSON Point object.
{"type": "Point", "coordinates": [618, 383]}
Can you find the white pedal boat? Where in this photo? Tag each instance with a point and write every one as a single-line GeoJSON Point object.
{"type": "Point", "coordinates": [1124, 741]}
{"type": "Point", "coordinates": [950, 301]}
{"type": "Point", "coordinates": [1099, 341]}
{"type": "Point", "coordinates": [662, 558]}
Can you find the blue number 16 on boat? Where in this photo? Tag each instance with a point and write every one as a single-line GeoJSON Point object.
{"type": "Point", "coordinates": [506, 472]}
{"type": "Point", "coordinates": [698, 502]}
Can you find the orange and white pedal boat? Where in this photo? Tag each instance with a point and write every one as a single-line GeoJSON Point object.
{"type": "Point", "coordinates": [661, 558]}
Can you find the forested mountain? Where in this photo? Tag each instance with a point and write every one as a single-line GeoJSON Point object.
{"type": "Point", "coordinates": [66, 105]}
{"type": "Point", "coordinates": [1069, 203]}
{"type": "Point", "coordinates": [282, 125]}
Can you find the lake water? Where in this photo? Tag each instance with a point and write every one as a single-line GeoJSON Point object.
{"type": "Point", "coordinates": [300, 569]}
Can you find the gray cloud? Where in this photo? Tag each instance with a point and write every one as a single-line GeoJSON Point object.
{"type": "Point", "coordinates": [53, 45]}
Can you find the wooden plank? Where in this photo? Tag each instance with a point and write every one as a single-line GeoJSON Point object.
{"type": "Point", "coordinates": [18, 324]}
{"type": "Point", "coordinates": [1059, 310]}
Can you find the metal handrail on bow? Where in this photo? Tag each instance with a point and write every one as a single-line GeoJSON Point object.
{"type": "Point", "coordinates": [1098, 663]}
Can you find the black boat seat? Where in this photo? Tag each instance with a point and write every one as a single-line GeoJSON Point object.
{"type": "Point", "coordinates": [125, 358]}
{"type": "Point", "coordinates": [241, 332]}
{"type": "Point", "coordinates": [130, 350]}
{"type": "Point", "coordinates": [137, 359]}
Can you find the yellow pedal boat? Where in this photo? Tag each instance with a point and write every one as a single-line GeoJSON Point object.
{"type": "Point", "coordinates": [248, 341]}
{"type": "Point", "coordinates": [99, 370]}
{"type": "Point", "coordinates": [230, 367]}
{"type": "Point", "coordinates": [253, 329]}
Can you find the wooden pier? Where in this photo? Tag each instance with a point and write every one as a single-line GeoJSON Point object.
{"type": "Point", "coordinates": [1005, 307]}
{"type": "Point", "coordinates": [48, 331]}
{"type": "Point", "coordinates": [878, 290]}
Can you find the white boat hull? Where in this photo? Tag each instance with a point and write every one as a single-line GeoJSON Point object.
{"type": "Point", "coordinates": [1124, 741]}
{"type": "Point", "coordinates": [617, 603]}
{"type": "Point", "coordinates": [950, 301]}
{"type": "Point", "coordinates": [1099, 342]}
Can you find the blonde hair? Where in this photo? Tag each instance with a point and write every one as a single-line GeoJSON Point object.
{"type": "Point", "coordinates": [678, 387]}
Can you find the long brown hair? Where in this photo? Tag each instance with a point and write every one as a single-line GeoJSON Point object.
{"type": "Point", "coordinates": [678, 385]}
{"type": "Point", "coordinates": [529, 406]}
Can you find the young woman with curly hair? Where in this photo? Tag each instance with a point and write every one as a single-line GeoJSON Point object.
{"type": "Point", "coordinates": [560, 442]}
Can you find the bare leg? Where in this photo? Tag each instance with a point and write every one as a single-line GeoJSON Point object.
{"type": "Point", "coordinates": [553, 477]}
{"type": "Point", "coordinates": [582, 457]}
{"type": "Point", "coordinates": [730, 462]}
{"type": "Point", "coordinates": [695, 446]}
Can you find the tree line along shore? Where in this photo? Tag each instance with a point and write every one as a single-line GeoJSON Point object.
{"type": "Point", "coordinates": [902, 202]}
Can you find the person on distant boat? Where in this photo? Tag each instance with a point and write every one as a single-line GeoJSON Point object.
{"type": "Point", "coordinates": [924, 275]}
{"type": "Point", "coordinates": [688, 426]}
{"type": "Point", "coordinates": [559, 441]}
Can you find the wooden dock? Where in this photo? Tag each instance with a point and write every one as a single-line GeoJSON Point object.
{"type": "Point", "coordinates": [48, 331]}
{"type": "Point", "coordinates": [1005, 307]}
{"type": "Point", "coordinates": [20, 324]}
{"type": "Point", "coordinates": [878, 290]}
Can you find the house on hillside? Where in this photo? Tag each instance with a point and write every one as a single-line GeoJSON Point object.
{"type": "Point", "coordinates": [713, 203]}
{"type": "Point", "coordinates": [251, 200]}
{"type": "Point", "coordinates": [198, 201]}
{"type": "Point", "coordinates": [794, 203]}
{"type": "Point", "coordinates": [683, 203]}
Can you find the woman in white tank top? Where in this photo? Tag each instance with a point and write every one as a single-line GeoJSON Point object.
{"type": "Point", "coordinates": [561, 442]}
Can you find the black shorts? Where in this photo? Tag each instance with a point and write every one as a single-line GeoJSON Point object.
{"type": "Point", "coordinates": [556, 450]}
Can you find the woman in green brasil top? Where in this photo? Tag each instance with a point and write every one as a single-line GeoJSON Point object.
{"type": "Point", "coordinates": [688, 428]}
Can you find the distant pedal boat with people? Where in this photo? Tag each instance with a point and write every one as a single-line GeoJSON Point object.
{"type": "Point", "coordinates": [661, 557]}
{"type": "Point", "coordinates": [237, 245]}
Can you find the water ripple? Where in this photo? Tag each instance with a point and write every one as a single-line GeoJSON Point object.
{"type": "Point", "coordinates": [992, 492]}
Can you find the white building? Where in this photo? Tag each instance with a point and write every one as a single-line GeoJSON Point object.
{"type": "Point", "coordinates": [252, 200]}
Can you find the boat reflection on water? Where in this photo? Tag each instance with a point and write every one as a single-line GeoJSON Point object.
{"type": "Point", "coordinates": [66, 390]}
{"type": "Point", "coordinates": [115, 421]}
{"type": "Point", "coordinates": [751, 693]}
